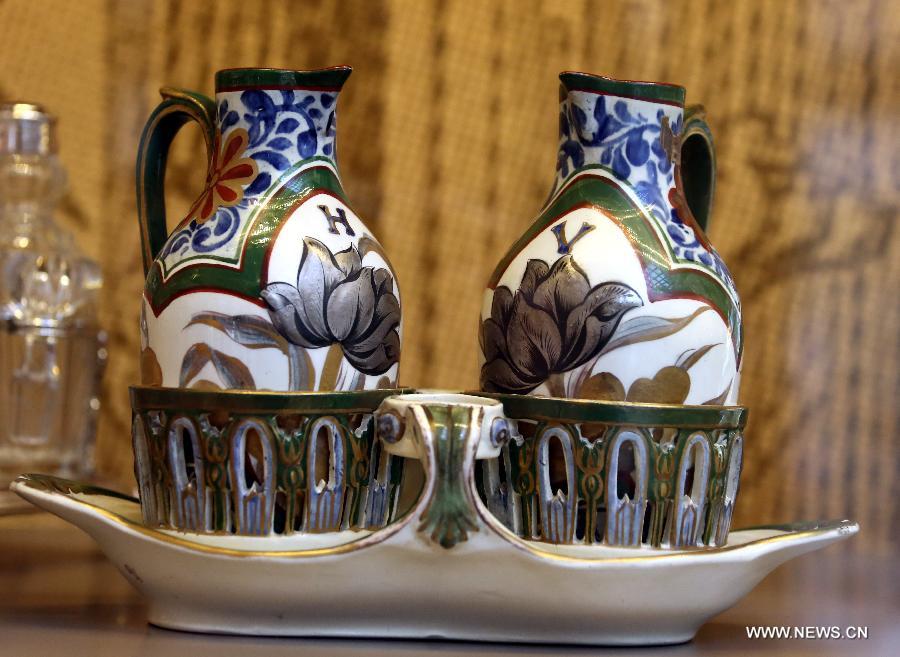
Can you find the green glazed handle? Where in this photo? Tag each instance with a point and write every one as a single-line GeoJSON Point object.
{"type": "Point", "coordinates": [698, 164]}
{"type": "Point", "coordinates": [177, 108]}
{"type": "Point", "coordinates": [448, 432]}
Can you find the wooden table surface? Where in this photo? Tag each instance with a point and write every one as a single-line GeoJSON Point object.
{"type": "Point", "coordinates": [60, 596]}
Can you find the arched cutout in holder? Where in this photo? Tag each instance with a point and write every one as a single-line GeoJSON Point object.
{"type": "Point", "coordinates": [557, 506]}
{"type": "Point", "coordinates": [625, 515]}
{"type": "Point", "coordinates": [325, 494]}
{"type": "Point", "coordinates": [691, 492]}
{"type": "Point", "coordinates": [146, 487]}
{"type": "Point", "coordinates": [721, 521]}
{"type": "Point", "coordinates": [380, 496]}
{"type": "Point", "coordinates": [186, 466]}
{"type": "Point", "coordinates": [254, 503]}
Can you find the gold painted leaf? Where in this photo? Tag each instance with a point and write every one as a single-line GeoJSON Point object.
{"type": "Point", "coordinates": [687, 360]}
{"type": "Point", "coordinates": [257, 333]}
{"type": "Point", "coordinates": [247, 330]}
{"type": "Point", "coordinates": [671, 385]}
{"type": "Point", "coordinates": [332, 367]}
{"type": "Point", "coordinates": [301, 371]}
{"type": "Point", "coordinates": [195, 358]}
{"type": "Point", "coordinates": [204, 384]}
{"type": "Point", "coordinates": [367, 244]}
{"type": "Point", "coordinates": [233, 372]}
{"type": "Point", "coordinates": [718, 401]}
{"type": "Point", "coordinates": [646, 328]}
{"type": "Point", "coordinates": [359, 381]}
{"type": "Point", "coordinates": [151, 372]}
{"type": "Point", "coordinates": [603, 386]}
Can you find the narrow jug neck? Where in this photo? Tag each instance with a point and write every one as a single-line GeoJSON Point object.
{"type": "Point", "coordinates": [631, 129]}
{"type": "Point", "coordinates": [281, 117]}
{"type": "Point", "coordinates": [283, 126]}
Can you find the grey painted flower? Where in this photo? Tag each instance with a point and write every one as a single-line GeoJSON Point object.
{"type": "Point", "coordinates": [555, 322]}
{"type": "Point", "coordinates": [336, 299]}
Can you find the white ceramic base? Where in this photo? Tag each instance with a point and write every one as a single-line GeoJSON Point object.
{"type": "Point", "coordinates": [396, 583]}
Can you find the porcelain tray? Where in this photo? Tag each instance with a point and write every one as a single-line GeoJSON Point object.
{"type": "Point", "coordinates": [396, 582]}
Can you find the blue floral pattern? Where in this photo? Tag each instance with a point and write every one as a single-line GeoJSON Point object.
{"type": "Point", "coordinates": [285, 127]}
{"type": "Point", "coordinates": [628, 137]}
{"type": "Point", "coordinates": [625, 140]}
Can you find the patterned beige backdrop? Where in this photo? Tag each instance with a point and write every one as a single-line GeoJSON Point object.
{"type": "Point", "coordinates": [447, 146]}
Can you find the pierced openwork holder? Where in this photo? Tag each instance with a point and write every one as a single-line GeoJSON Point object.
{"type": "Point", "coordinates": [261, 463]}
{"type": "Point", "coordinates": [621, 474]}
{"type": "Point", "coordinates": [439, 568]}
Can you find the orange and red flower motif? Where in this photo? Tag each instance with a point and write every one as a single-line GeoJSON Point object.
{"type": "Point", "coordinates": [228, 177]}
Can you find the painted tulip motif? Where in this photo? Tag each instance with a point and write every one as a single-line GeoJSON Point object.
{"type": "Point", "coordinates": [337, 300]}
{"type": "Point", "coordinates": [553, 323]}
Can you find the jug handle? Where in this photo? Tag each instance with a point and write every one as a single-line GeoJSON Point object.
{"type": "Point", "coordinates": [177, 108]}
{"type": "Point", "coordinates": [698, 164]}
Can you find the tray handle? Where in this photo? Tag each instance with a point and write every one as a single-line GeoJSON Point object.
{"type": "Point", "coordinates": [448, 432]}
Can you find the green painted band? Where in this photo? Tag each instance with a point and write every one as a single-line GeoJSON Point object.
{"type": "Point", "coordinates": [658, 92]}
{"type": "Point", "coordinates": [276, 78]}
{"type": "Point", "coordinates": [607, 195]}
{"type": "Point", "coordinates": [298, 184]}
{"type": "Point", "coordinates": [621, 413]}
{"type": "Point", "coordinates": [148, 398]}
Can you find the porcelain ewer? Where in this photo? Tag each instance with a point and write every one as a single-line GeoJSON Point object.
{"type": "Point", "coordinates": [271, 281]}
{"type": "Point", "coordinates": [615, 292]}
